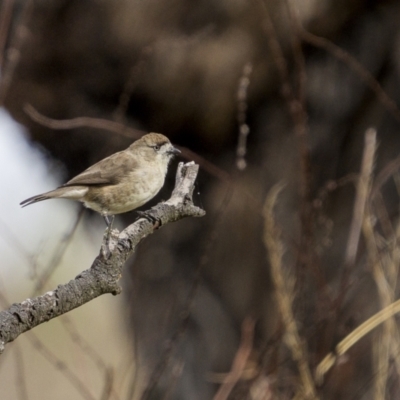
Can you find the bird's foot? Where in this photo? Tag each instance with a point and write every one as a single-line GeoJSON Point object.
{"type": "Point", "coordinates": [149, 217]}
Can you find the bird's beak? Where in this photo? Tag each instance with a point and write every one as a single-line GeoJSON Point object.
{"type": "Point", "coordinates": [173, 150]}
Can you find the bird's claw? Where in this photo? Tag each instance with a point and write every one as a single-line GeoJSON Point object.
{"type": "Point", "coordinates": [149, 217]}
{"type": "Point", "coordinates": [105, 251]}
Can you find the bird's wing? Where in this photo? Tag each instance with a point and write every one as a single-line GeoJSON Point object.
{"type": "Point", "coordinates": [109, 171]}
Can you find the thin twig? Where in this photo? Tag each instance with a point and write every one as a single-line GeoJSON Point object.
{"type": "Point", "coordinates": [88, 350]}
{"type": "Point", "coordinates": [240, 360]}
{"type": "Point", "coordinates": [61, 366]}
{"type": "Point", "coordinates": [131, 84]}
{"type": "Point", "coordinates": [6, 10]}
{"type": "Point", "coordinates": [83, 344]}
{"type": "Point", "coordinates": [299, 117]}
{"type": "Point", "coordinates": [14, 51]}
{"type": "Point", "coordinates": [356, 66]}
{"type": "Point", "coordinates": [299, 59]}
{"type": "Point", "coordinates": [56, 362]}
{"type": "Point", "coordinates": [124, 372]}
{"type": "Point", "coordinates": [8, 236]}
{"type": "Point", "coordinates": [176, 372]}
{"type": "Point", "coordinates": [244, 129]}
{"type": "Point", "coordinates": [20, 381]}
{"type": "Point", "coordinates": [79, 122]}
{"type": "Point", "coordinates": [57, 257]}
{"type": "Point", "coordinates": [123, 130]}
{"type": "Point", "coordinates": [108, 384]}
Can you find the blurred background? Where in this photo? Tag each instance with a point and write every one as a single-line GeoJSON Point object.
{"type": "Point", "coordinates": [258, 93]}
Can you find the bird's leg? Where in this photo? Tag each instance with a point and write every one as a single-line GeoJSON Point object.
{"type": "Point", "coordinates": [109, 222]}
{"type": "Point", "coordinates": [109, 219]}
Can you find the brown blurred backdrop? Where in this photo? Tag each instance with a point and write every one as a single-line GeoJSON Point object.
{"type": "Point", "coordinates": [307, 78]}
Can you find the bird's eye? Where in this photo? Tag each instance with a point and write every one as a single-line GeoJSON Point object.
{"type": "Point", "coordinates": [156, 147]}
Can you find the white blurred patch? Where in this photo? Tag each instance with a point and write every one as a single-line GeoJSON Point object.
{"type": "Point", "coordinates": [33, 230]}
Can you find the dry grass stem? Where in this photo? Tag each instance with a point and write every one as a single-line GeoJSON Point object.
{"type": "Point", "coordinates": [362, 192]}
{"type": "Point", "coordinates": [385, 271]}
{"type": "Point", "coordinates": [284, 295]}
{"type": "Point", "coordinates": [366, 327]}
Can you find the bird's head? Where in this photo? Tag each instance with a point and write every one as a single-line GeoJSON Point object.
{"type": "Point", "coordinates": [155, 146]}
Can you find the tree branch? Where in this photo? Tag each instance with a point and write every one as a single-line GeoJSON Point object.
{"type": "Point", "coordinates": [103, 276]}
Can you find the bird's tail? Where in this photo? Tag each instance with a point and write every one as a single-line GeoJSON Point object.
{"type": "Point", "coordinates": [73, 193]}
{"type": "Point", "coordinates": [35, 199]}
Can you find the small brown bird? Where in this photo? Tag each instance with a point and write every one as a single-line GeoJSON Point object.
{"type": "Point", "coordinates": [121, 182]}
